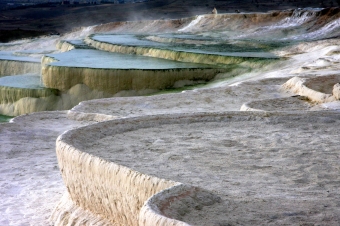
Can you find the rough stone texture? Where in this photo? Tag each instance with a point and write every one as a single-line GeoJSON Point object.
{"type": "Point", "coordinates": [30, 184]}
{"type": "Point", "coordinates": [115, 80]}
{"type": "Point", "coordinates": [102, 176]}
{"type": "Point", "coordinates": [67, 213]}
{"type": "Point", "coordinates": [157, 210]}
{"type": "Point", "coordinates": [228, 98]}
{"type": "Point", "coordinates": [301, 86]}
{"type": "Point", "coordinates": [278, 168]}
{"type": "Point", "coordinates": [294, 103]}
{"type": "Point", "coordinates": [183, 56]}
{"type": "Point", "coordinates": [336, 91]}
{"type": "Point", "coordinates": [323, 84]}
{"type": "Point", "coordinates": [111, 191]}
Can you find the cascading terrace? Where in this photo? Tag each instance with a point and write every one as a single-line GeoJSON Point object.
{"type": "Point", "coordinates": [186, 158]}
{"type": "Point", "coordinates": [87, 70]}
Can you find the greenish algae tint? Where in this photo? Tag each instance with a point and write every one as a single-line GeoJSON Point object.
{"type": "Point", "coordinates": [5, 118]}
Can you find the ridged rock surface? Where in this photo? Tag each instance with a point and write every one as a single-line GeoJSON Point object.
{"type": "Point", "coordinates": [10, 67]}
{"type": "Point", "coordinates": [318, 89]}
{"type": "Point", "coordinates": [129, 190]}
{"type": "Point", "coordinates": [183, 56]}
{"type": "Point", "coordinates": [177, 166]}
{"type": "Point", "coordinates": [113, 81]}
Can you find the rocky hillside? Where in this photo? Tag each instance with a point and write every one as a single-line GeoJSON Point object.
{"type": "Point", "coordinates": [52, 18]}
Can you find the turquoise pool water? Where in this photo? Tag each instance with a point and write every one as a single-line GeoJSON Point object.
{"type": "Point", "coordinates": [5, 118]}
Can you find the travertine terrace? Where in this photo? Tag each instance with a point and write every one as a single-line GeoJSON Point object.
{"type": "Point", "coordinates": [254, 141]}
{"type": "Point", "coordinates": [101, 171]}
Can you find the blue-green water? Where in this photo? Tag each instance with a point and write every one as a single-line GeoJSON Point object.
{"type": "Point", "coordinates": [27, 81]}
{"type": "Point", "coordinates": [90, 58]}
{"type": "Point", "coordinates": [6, 55]}
{"type": "Point", "coordinates": [5, 118]}
{"type": "Point", "coordinates": [244, 48]}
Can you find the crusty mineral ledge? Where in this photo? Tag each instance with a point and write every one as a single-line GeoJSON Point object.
{"type": "Point", "coordinates": [183, 55]}
{"type": "Point", "coordinates": [320, 89]}
{"type": "Point", "coordinates": [116, 80]}
{"type": "Point", "coordinates": [293, 103]}
{"type": "Point", "coordinates": [108, 190]}
{"type": "Point", "coordinates": [114, 72]}
{"type": "Point", "coordinates": [12, 67]}
{"type": "Point", "coordinates": [248, 168]}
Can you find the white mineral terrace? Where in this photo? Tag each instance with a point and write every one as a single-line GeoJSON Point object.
{"type": "Point", "coordinates": [17, 87]}
{"type": "Point", "coordinates": [193, 53]}
{"type": "Point", "coordinates": [115, 72]}
{"type": "Point", "coordinates": [135, 41]}
{"type": "Point", "coordinates": [289, 171]}
{"type": "Point", "coordinates": [13, 64]}
{"type": "Point", "coordinates": [256, 145]}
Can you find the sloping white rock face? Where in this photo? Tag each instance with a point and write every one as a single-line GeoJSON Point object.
{"type": "Point", "coordinates": [113, 169]}
{"type": "Point", "coordinates": [247, 168]}
{"type": "Point", "coordinates": [336, 91]}
{"type": "Point", "coordinates": [30, 185]}
{"type": "Point", "coordinates": [111, 191]}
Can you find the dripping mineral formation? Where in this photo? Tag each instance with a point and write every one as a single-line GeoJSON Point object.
{"type": "Point", "coordinates": [241, 126]}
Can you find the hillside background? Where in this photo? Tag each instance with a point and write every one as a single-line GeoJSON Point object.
{"type": "Point", "coordinates": [29, 18]}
